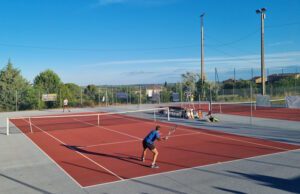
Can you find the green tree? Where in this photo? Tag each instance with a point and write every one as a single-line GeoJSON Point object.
{"type": "Point", "coordinates": [285, 86]}
{"type": "Point", "coordinates": [165, 95]}
{"type": "Point", "coordinates": [72, 92]}
{"type": "Point", "coordinates": [11, 85]}
{"type": "Point", "coordinates": [287, 82]}
{"type": "Point", "coordinates": [48, 82]}
{"type": "Point", "coordinates": [29, 99]}
{"type": "Point", "coordinates": [189, 83]}
{"type": "Point", "coordinates": [91, 93]}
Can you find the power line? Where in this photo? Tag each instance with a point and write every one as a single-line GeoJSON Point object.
{"type": "Point", "coordinates": [97, 49]}
{"type": "Point", "coordinates": [282, 25]}
{"type": "Point", "coordinates": [229, 55]}
{"type": "Point", "coordinates": [237, 40]}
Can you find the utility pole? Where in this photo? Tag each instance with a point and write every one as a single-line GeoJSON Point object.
{"type": "Point", "coordinates": [202, 50]}
{"type": "Point", "coordinates": [262, 18]}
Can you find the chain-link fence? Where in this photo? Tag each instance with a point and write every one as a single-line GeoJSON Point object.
{"type": "Point", "coordinates": [32, 99]}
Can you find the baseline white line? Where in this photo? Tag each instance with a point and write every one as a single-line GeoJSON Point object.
{"type": "Point", "coordinates": [191, 168]}
{"type": "Point", "coordinates": [91, 160]}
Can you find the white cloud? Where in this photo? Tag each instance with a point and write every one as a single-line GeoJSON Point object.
{"type": "Point", "coordinates": [141, 62]}
{"type": "Point", "coordinates": [280, 43]}
{"type": "Point", "coordinates": [169, 69]}
{"type": "Point", "coordinates": [272, 59]}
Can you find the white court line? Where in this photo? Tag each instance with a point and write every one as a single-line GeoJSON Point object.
{"type": "Point", "coordinates": [121, 179]}
{"type": "Point", "coordinates": [191, 168]}
{"type": "Point", "coordinates": [131, 141]}
{"type": "Point", "coordinates": [42, 151]}
{"type": "Point", "coordinates": [112, 143]}
{"type": "Point", "coordinates": [91, 160]}
{"type": "Point", "coordinates": [220, 136]}
{"type": "Point", "coordinates": [126, 134]}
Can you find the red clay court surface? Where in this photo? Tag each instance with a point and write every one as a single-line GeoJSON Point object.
{"type": "Point", "coordinates": [93, 155]}
{"type": "Point", "coordinates": [245, 110]}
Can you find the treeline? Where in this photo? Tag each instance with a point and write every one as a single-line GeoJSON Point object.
{"type": "Point", "coordinates": [17, 93]}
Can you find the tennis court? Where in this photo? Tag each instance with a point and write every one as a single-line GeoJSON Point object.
{"type": "Point", "coordinates": [99, 148]}
{"type": "Point", "coordinates": [249, 109]}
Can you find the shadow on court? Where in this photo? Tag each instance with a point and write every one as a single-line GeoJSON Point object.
{"type": "Point", "coordinates": [288, 185]}
{"type": "Point", "coordinates": [25, 184]}
{"type": "Point", "coordinates": [229, 190]}
{"type": "Point", "coordinates": [132, 159]}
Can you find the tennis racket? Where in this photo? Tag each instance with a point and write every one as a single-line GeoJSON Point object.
{"type": "Point", "coordinates": [171, 131]}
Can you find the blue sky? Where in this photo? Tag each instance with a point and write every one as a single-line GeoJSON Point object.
{"type": "Point", "coordinates": [146, 41]}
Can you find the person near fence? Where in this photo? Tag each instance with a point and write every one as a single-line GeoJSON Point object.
{"type": "Point", "coordinates": [65, 105]}
{"type": "Point", "coordinates": [211, 118]}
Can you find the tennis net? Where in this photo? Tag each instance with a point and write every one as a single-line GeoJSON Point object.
{"type": "Point", "coordinates": [239, 107]}
{"type": "Point", "coordinates": [34, 124]}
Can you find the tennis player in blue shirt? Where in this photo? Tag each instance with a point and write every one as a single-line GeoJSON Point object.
{"type": "Point", "coordinates": [148, 142]}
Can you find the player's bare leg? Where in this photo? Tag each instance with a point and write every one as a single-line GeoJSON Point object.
{"type": "Point", "coordinates": [155, 154]}
{"type": "Point", "coordinates": [144, 155]}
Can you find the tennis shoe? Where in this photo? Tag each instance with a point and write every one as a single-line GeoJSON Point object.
{"type": "Point", "coordinates": [154, 166]}
{"type": "Point", "coordinates": [143, 159]}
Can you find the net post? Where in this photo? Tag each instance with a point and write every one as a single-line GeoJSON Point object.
{"type": "Point", "coordinates": [154, 115]}
{"type": "Point", "coordinates": [98, 119]}
{"type": "Point", "coordinates": [30, 124]}
{"type": "Point", "coordinates": [220, 105]}
{"type": "Point", "coordinates": [7, 126]}
{"type": "Point", "coordinates": [168, 110]}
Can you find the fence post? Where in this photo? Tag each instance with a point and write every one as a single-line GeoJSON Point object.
{"type": "Point", "coordinates": [7, 126]}
{"type": "Point", "coordinates": [140, 96]}
{"type": "Point", "coordinates": [39, 100]}
{"type": "Point", "coordinates": [81, 96]}
{"type": "Point", "coordinates": [16, 100]}
{"type": "Point", "coordinates": [106, 100]}
{"type": "Point", "coordinates": [99, 97]}
{"type": "Point", "coordinates": [251, 104]}
{"type": "Point", "coordinates": [60, 99]}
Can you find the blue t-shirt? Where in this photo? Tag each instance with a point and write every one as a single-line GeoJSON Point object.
{"type": "Point", "coordinates": [152, 136]}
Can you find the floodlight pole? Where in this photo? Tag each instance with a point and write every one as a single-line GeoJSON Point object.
{"type": "Point", "coordinates": [202, 50]}
{"type": "Point", "coordinates": [262, 18]}
{"type": "Point", "coordinates": [202, 76]}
